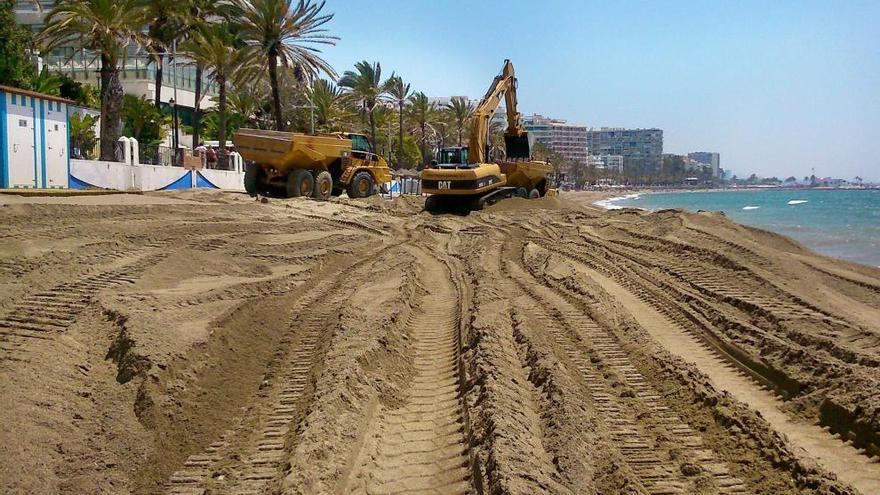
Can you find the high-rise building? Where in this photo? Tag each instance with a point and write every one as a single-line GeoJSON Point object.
{"type": "Point", "coordinates": [709, 158]}
{"type": "Point", "coordinates": [641, 149]}
{"type": "Point", "coordinates": [561, 137]}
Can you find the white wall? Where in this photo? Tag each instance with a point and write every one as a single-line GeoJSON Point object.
{"type": "Point", "coordinates": [224, 179]}
{"type": "Point", "coordinates": [122, 177]}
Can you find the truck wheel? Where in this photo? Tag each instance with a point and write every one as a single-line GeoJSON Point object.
{"type": "Point", "coordinates": [361, 185]}
{"type": "Point", "coordinates": [534, 194]}
{"type": "Point", "coordinates": [323, 185]}
{"type": "Point", "coordinates": [300, 183]}
{"type": "Point", "coordinates": [522, 192]}
{"type": "Point", "coordinates": [253, 179]}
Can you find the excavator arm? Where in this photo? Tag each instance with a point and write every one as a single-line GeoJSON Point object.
{"type": "Point", "coordinates": [515, 137]}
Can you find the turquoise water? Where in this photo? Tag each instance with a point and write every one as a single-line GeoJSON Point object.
{"type": "Point", "coordinates": [841, 223]}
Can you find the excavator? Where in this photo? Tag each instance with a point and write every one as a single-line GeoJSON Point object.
{"type": "Point", "coordinates": [462, 177]}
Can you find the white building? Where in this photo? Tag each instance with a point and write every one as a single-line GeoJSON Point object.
{"type": "Point", "coordinates": [34, 140]}
{"type": "Point", "coordinates": [709, 159]}
{"type": "Point", "coordinates": [610, 162]}
{"type": "Point", "coordinates": [137, 71]}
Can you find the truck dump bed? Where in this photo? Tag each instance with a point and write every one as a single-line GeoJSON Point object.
{"type": "Point", "coordinates": [526, 174]}
{"type": "Point", "coordinates": [286, 150]}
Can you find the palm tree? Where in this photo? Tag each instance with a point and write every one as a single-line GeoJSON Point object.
{"type": "Point", "coordinates": [399, 92]}
{"type": "Point", "coordinates": [326, 98]}
{"type": "Point", "coordinates": [366, 87]}
{"type": "Point", "coordinates": [168, 17]}
{"type": "Point", "coordinates": [215, 48]}
{"type": "Point", "coordinates": [283, 33]}
{"type": "Point", "coordinates": [107, 28]}
{"type": "Point", "coordinates": [460, 111]}
{"type": "Point", "coordinates": [422, 112]}
{"type": "Point", "coordinates": [82, 135]}
{"type": "Point", "coordinates": [203, 13]}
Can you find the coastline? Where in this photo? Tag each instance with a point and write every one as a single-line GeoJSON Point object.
{"type": "Point", "coordinates": [836, 222]}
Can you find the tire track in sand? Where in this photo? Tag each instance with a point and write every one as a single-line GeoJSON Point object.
{"type": "Point", "coordinates": [813, 441]}
{"type": "Point", "coordinates": [43, 315]}
{"type": "Point", "coordinates": [263, 456]}
{"type": "Point", "coordinates": [420, 447]}
{"type": "Point", "coordinates": [639, 447]}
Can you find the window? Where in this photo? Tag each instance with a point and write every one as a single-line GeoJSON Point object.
{"type": "Point", "coordinates": [454, 156]}
{"type": "Point", "coordinates": [56, 127]}
{"type": "Point", "coordinates": [22, 123]}
{"type": "Point", "coordinates": [359, 143]}
{"type": "Point", "coordinates": [13, 99]}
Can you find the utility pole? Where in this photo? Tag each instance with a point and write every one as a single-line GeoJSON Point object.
{"type": "Point", "coordinates": [311, 109]}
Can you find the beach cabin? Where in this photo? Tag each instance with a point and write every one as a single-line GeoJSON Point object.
{"type": "Point", "coordinates": [34, 151]}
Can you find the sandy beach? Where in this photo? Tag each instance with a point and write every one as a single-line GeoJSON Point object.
{"type": "Point", "coordinates": [204, 342]}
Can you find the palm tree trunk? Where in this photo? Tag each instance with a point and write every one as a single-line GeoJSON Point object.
{"type": "Point", "coordinates": [273, 81]}
{"type": "Point", "coordinates": [197, 115]}
{"type": "Point", "coordinates": [221, 109]}
{"type": "Point", "coordinates": [400, 161]}
{"type": "Point", "coordinates": [160, 64]}
{"type": "Point", "coordinates": [459, 134]}
{"type": "Point", "coordinates": [373, 128]}
{"type": "Point", "coordinates": [111, 109]}
{"type": "Point", "coordinates": [423, 147]}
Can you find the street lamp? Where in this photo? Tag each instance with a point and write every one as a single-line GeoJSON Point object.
{"type": "Point", "coordinates": [174, 136]}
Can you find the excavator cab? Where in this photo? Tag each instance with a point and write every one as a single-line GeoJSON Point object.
{"type": "Point", "coordinates": [454, 157]}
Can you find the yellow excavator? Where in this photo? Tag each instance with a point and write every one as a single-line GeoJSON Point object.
{"type": "Point", "coordinates": [462, 177]}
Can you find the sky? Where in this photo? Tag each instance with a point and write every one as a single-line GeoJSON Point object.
{"type": "Point", "coordinates": [776, 87]}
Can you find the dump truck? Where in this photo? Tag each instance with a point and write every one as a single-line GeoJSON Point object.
{"type": "Point", "coordinates": [461, 177]}
{"type": "Point", "coordinates": [290, 164]}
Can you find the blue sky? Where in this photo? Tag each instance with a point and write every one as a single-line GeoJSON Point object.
{"type": "Point", "coordinates": [775, 87]}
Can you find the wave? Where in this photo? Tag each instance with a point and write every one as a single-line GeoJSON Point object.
{"type": "Point", "coordinates": [798, 201]}
{"type": "Point", "coordinates": [609, 204]}
{"type": "Point", "coordinates": [750, 207]}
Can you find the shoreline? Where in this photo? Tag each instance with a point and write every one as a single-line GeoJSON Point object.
{"type": "Point", "coordinates": [809, 228]}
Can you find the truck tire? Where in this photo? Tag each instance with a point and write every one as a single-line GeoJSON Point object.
{"type": "Point", "coordinates": [522, 192]}
{"type": "Point", "coordinates": [323, 186]}
{"type": "Point", "coordinates": [534, 194]}
{"type": "Point", "coordinates": [300, 183]}
{"type": "Point", "coordinates": [361, 185]}
{"type": "Point", "coordinates": [253, 179]}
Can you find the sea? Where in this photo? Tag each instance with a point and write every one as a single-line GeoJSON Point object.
{"type": "Point", "coordinates": [844, 223]}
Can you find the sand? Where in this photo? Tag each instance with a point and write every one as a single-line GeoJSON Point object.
{"type": "Point", "coordinates": [203, 342]}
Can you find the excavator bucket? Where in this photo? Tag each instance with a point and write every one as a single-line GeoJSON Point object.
{"type": "Point", "coordinates": [517, 146]}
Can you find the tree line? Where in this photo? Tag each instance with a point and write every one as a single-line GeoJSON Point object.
{"type": "Point", "coordinates": [264, 59]}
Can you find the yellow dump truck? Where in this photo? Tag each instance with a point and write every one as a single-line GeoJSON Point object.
{"type": "Point", "coordinates": [292, 164]}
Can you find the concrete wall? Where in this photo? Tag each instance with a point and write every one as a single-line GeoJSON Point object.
{"type": "Point", "coordinates": [122, 177]}
{"type": "Point", "coordinates": [220, 179]}
{"type": "Point", "coordinates": [33, 141]}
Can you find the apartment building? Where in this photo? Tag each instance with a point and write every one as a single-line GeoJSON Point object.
{"type": "Point", "coordinates": [561, 137]}
{"type": "Point", "coordinates": [641, 149]}
{"type": "Point", "coordinates": [710, 159]}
